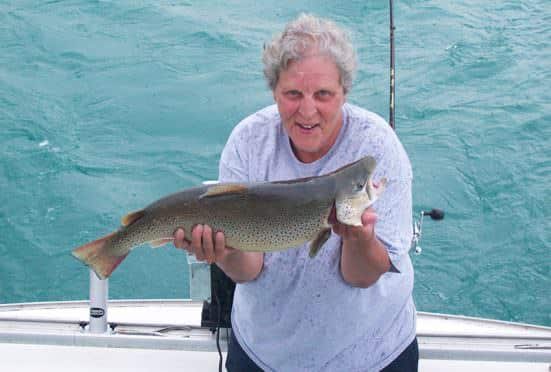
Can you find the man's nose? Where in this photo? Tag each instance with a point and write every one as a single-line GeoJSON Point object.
{"type": "Point", "coordinates": [307, 107]}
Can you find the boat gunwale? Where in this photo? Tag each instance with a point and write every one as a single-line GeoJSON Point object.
{"type": "Point", "coordinates": [121, 303]}
{"type": "Point", "coordinates": [142, 335]}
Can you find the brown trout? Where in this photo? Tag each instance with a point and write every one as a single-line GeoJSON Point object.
{"type": "Point", "coordinates": [258, 217]}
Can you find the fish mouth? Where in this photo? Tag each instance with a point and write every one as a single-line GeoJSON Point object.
{"type": "Point", "coordinates": [374, 189]}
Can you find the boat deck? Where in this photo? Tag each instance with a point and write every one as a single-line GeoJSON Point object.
{"type": "Point", "coordinates": [166, 335]}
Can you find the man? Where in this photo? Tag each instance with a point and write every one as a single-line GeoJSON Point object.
{"type": "Point", "coordinates": [351, 307]}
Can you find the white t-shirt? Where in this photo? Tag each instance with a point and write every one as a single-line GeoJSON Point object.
{"type": "Point", "coordinates": [300, 314]}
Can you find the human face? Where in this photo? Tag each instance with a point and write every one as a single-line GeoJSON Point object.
{"type": "Point", "coordinates": [309, 98]}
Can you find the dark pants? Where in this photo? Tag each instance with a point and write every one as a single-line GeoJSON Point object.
{"type": "Point", "coordinates": [407, 361]}
{"type": "Point", "coordinates": [238, 361]}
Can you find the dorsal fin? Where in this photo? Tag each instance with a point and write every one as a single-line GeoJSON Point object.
{"type": "Point", "coordinates": [132, 217]}
{"type": "Point", "coordinates": [224, 189]}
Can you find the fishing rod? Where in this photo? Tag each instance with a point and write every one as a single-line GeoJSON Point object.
{"type": "Point", "coordinates": [435, 214]}
{"type": "Point", "coordinates": [392, 74]}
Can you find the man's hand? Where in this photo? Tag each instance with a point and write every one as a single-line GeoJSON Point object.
{"type": "Point", "coordinates": [362, 234]}
{"type": "Point", "coordinates": [363, 258]}
{"type": "Point", "coordinates": [238, 265]}
{"type": "Point", "coordinates": [204, 245]}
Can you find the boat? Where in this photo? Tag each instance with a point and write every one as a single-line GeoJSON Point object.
{"type": "Point", "coordinates": [180, 335]}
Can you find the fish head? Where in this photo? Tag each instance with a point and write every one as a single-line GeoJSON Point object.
{"type": "Point", "coordinates": [356, 191]}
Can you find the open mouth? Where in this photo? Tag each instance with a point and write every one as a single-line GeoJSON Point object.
{"type": "Point", "coordinates": [307, 127]}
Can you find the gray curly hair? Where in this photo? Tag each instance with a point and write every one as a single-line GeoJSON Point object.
{"type": "Point", "coordinates": [301, 37]}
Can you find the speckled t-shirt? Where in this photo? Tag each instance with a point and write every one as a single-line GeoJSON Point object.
{"type": "Point", "coordinates": [299, 314]}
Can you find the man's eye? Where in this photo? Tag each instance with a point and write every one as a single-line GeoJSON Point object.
{"type": "Point", "coordinates": [293, 93]}
{"type": "Point", "coordinates": [323, 94]}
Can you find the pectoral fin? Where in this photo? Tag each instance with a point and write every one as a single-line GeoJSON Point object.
{"type": "Point", "coordinates": [320, 239]}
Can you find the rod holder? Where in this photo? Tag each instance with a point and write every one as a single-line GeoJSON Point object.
{"type": "Point", "coordinates": [99, 293]}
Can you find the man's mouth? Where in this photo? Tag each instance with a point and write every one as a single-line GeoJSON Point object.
{"type": "Point", "coordinates": [307, 126]}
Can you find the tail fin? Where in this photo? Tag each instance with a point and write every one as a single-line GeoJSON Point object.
{"type": "Point", "coordinates": [98, 258]}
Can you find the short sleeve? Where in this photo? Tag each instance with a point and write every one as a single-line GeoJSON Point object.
{"type": "Point", "coordinates": [233, 166]}
{"type": "Point", "coordinates": [394, 224]}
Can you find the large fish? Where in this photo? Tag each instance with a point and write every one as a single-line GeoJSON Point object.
{"type": "Point", "coordinates": [264, 217]}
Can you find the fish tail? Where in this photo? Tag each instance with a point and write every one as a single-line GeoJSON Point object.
{"type": "Point", "coordinates": [97, 257]}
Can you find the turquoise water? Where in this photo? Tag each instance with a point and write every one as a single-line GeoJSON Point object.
{"type": "Point", "coordinates": [107, 105]}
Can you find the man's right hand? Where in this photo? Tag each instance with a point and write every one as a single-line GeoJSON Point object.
{"type": "Point", "coordinates": [204, 245]}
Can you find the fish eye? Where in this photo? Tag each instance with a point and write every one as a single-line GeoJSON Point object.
{"type": "Point", "coordinates": [359, 186]}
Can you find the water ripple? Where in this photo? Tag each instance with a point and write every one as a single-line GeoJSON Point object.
{"type": "Point", "coordinates": [107, 106]}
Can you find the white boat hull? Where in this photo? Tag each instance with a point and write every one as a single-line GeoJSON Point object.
{"type": "Point", "coordinates": [166, 335]}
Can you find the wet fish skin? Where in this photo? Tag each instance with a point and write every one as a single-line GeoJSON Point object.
{"type": "Point", "coordinates": [261, 217]}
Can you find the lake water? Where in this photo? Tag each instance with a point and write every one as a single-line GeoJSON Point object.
{"type": "Point", "coordinates": [107, 105]}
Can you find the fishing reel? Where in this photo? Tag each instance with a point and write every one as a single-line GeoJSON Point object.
{"type": "Point", "coordinates": [436, 215]}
